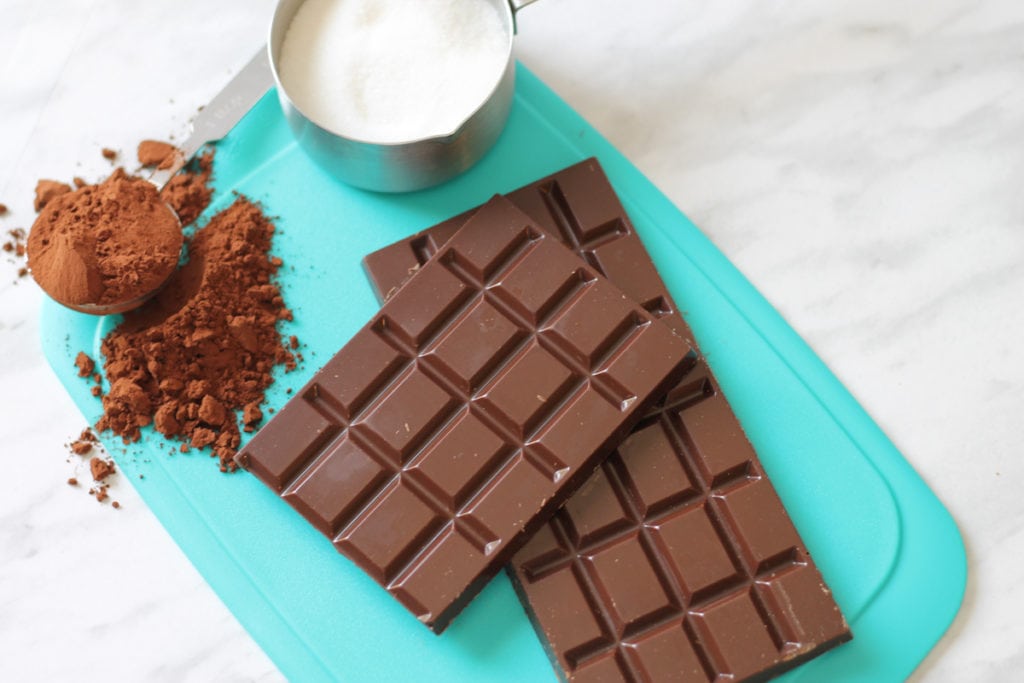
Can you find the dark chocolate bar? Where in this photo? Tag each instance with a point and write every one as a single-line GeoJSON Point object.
{"type": "Point", "coordinates": [461, 417]}
{"type": "Point", "coordinates": [710, 456]}
{"type": "Point", "coordinates": [676, 561]}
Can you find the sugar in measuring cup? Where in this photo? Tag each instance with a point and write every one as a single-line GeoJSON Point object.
{"type": "Point", "coordinates": [391, 95]}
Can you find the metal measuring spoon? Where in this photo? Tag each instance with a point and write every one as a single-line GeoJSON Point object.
{"type": "Point", "coordinates": [214, 122]}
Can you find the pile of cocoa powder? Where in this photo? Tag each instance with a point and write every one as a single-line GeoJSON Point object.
{"type": "Point", "coordinates": [203, 349]}
{"type": "Point", "coordinates": [205, 346]}
{"type": "Point", "coordinates": [188, 193]}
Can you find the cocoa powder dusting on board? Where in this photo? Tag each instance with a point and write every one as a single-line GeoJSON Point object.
{"type": "Point", "coordinates": [189, 193]}
{"type": "Point", "coordinates": [84, 364]}
{"type": "Point", "coordinates": [204, 347]}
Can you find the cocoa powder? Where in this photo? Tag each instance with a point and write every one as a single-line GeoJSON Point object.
{"type": "Point", "coordinates": [155, 153]}
{"type": "Point", "coordinates": [84, 364]}
{"type": "Point", "coordinates": [100, 468]}
{"type": "Point", "coordinates": [104, 244]}
{"type": "Point", "coordinates": [204, 348]}
{"type": "Point", "coordinates": [85, 443]}
{"type": "Point", "coordinates": [189, 193]}
{"type": "Point", "coordinates": [15, 243]}
{"type": "Point", "coordinates": [14, 247]}
{"type": "Point", "coordinates": [47, 191]}
{"type": "Point", "coordinates": [81, 447]}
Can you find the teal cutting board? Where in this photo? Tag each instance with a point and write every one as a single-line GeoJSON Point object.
{"type": "Point", "coordinates": [885, 544]}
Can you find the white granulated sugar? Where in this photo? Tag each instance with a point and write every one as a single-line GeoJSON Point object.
{"type": "Point", "coordinates": [392, 70]}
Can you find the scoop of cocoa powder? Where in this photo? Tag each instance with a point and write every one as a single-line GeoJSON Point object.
{"type": "Point", "coordinates": [104, 244]}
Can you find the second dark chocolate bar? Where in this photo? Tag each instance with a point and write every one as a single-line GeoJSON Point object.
{"type": "Point", "coordinates": [462, 416]}
{"type": "Point", "coordinates": [676, 560]}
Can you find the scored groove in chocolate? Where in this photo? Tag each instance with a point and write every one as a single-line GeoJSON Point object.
{"type": "Point", "coordinates": [579, 206]}
{"type": "Point", "coordinates": [448, 428]}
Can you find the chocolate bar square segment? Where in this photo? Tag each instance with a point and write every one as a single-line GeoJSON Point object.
{"type": "Point", "coordinates": [462, 416]}
{"type": "Point", "coordinates": [674, 569]}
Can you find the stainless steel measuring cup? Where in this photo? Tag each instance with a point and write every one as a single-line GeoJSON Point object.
{"type": "Point", "coordinates": [411, 164]}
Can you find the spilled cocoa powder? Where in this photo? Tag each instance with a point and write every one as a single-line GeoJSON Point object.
{"type": "Point", "coordinates": [104, 244]}
{"type": "Point", "coordinates": [86, 368]}
{"type": "Point", "coordinates": [101, 469]}
{"type": "Point", "coordinates": [14, 247]}
{"type": "Point", "coordinates": [156, 153]}
{"type": "Point", "coordinates": [189, 193]}
{"type": "Point", "coordinates": [204, 347]}
{"type": "Point", "coordinates": [88, 447]}
{"type": "Point", "coordinates": [47, 191]}
{"type": "Point", "coordinates": [85, 443]}
{"type": "Point", "coordinates": [15, 243]}
{"type": "Point", "coordinates": [81, 447]}
{"type": "Point", "coordinates": [84, 364]}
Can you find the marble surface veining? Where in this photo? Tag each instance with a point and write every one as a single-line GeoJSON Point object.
{"type": "Point", "coordinates": [859, 160]}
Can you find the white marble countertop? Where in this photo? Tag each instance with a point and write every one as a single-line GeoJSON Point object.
{"type": "Point", "coordinates": [861, 161]}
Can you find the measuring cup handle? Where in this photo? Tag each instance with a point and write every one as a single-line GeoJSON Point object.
{"type": "Point", "coordinates": [515, 6]}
